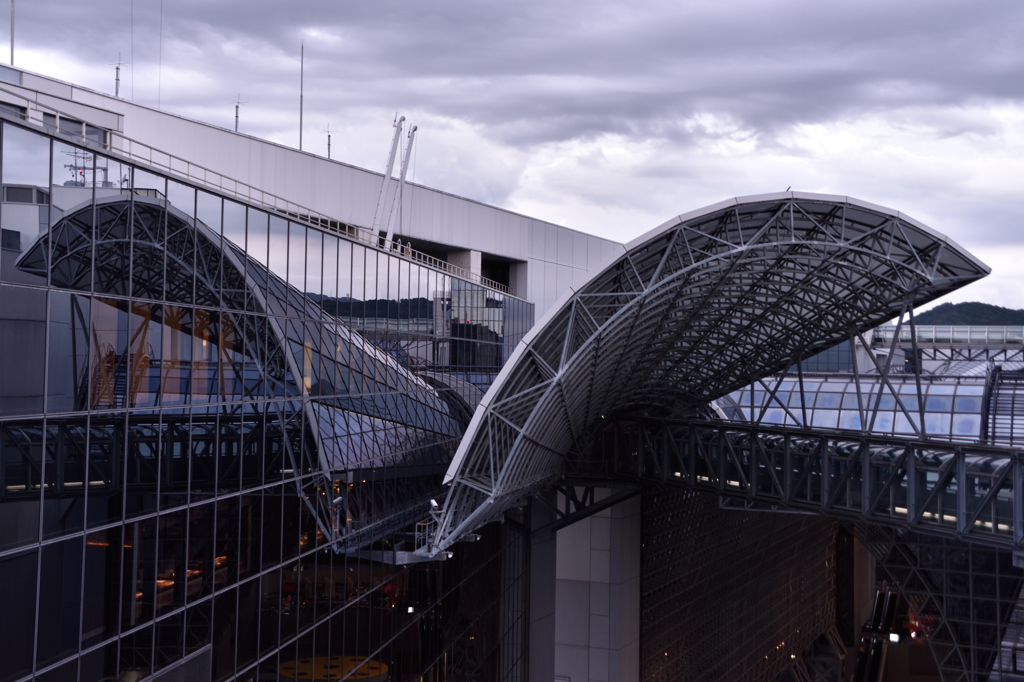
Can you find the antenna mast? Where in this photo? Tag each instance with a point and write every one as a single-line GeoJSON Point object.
{"type": "Point", "coordinates": [328, 141]}
{"type": "Point", "coordinates": [238, 102]}
{"type": "Point", "coordinates": [12, 32]}
{"type": "Point", "coordinates": [302, 75]}
{"type": "Point", "coordinates": [117, 74]}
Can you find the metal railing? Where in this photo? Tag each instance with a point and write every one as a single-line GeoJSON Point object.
{"type": "Point", "coordinates": [175, 165]}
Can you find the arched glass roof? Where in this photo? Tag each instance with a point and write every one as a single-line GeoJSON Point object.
{"type": "Point", "coordinates": [693, 310]}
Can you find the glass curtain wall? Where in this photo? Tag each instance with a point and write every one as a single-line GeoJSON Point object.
{"type": "Point", "coordinates": [215, 424]}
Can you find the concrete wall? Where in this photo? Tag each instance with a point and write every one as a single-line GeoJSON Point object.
{"type": "Point", "coordinates": [597, 597]}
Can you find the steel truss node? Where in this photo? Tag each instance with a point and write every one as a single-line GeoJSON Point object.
{"type": "Point", "coordinates": [701, 306]}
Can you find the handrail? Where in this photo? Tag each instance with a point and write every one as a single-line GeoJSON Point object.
{"type": "Point", "coordinates": [183, 168]}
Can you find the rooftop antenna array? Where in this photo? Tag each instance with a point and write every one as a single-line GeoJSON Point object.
{"type": "Point", "coordinates": [238, 102]}
{"type": "Point", "coordinates": [385, 186]}
{"type": "Point", "coordinates": [117, 74]}
{"type": "Point", "coordinates": [397, 212]}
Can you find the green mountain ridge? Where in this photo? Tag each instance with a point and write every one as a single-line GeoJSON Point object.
{"type": "Point", "coordinates": [971, 313]}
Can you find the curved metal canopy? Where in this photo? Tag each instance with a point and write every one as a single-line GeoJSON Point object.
{"type": "Point", "coordinates": [694, 309]}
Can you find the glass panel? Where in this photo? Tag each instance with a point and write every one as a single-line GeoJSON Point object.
{"type": "Point", "coordinates": [314, 264]}
{"type": "Point", "coordinates": [18, 576]}
{"type": "Point", "coordinates": [145, 360]}
{"type": "Point", "coordinates": [100, 594]}
{"type": "Point", "coordinates": [148, 237]}
{"type": "Point", "coordinates": [181, 198]}
{"type": "Point", "coordinates": [967, 425]}
{"type": "Point", "coordinates": [60, 572]}
{"type": "Point", "coordinates": [176, 363]}
{"type": "Point", "coordinates": [938, 403]}
{"type": "Point", "coordinates": [68, 375]}
{"type": "Point", "coordinates": [24, 213]}
{"type": "Point", "coordinates": [278, 245]}
{"type": "Point", "coordinates": [23, 337]}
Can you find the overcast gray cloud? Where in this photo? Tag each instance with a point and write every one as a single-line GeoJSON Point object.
{"type": "Point", "coordinates": [605, 117]}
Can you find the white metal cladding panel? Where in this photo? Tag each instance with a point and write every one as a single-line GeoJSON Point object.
{"type": "Point", "coordinates": [343, 192]}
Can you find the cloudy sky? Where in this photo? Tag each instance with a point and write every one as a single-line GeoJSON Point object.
{"type": "Point", "coordinates": [605, 117]}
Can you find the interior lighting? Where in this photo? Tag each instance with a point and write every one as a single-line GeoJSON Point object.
{"type": "Point", "coordinates": [894, 637]}
{"type": "Point", "coordinates": [410, 609]}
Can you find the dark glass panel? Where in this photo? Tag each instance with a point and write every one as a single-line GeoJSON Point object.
{"type": "Point", "coordinates": [250, 534]}
{"type": "Point", "coordinates": [226, 543]}
{"type": "Point", "coordinates": [108, 345]}
{"type": "Point", "coordinates": [224, 620]}
{"type": "Point", "coordinates": [113, 220]}
{"type": "Point", "coordinates": [248, 622]}
{"type": "Point", "coordinates": [203, 474]}
{"type": "Point", "coordinates": [145, 357]}
{"type": "Point", "coordinates": [148, 228]}
{"type": "Point", "coordinates": [18, 576]}
{"type": "Point", "coordinates": [253, 370]}
{"type": "Point", "coordinates": [143, 465]}
{"type": "Point", "coordinates": [60, 573]}
{"type": "Point", "coordinates": [106, 456]}
{"type": "Point", "coordinates": [23, 337]}
{"type": "Point", "coordinates": [101, 664]}
{"type": "Point", "coordinates": [172, 581]}
{"type": "Point", "coordinates": [197, 625]}
{"type": "Point", "coordinates": [272, 517]}
{"type": "Point", "coordinates": [68, 356]}
{"type": "Point", "coordinates": [26, 166]}
{"type": "Point", "coordinates": [174, 460]}
{"type": "Point", "coordinates": [136, 654]}
{"type": "Point", "coordinates": [229, 459]}
{"type": "Point", "coordinates": [176, 347]}
{"type": "Point", "coordinates": [270, 611]}
{"type": "Point", "coordinates": [138, 581]}
{"type": "Point", "coordinates": [64, 497]}
{"type": "Point", "coordinates": [205, 356]}
{"type": "Point", "coordinates": [21, 481]}
{"type": "Point", "coordinates": [181, 248]}
{"type": "Point", "coordinates": [232, 362]}
{"type": "Point", "coordinates": [170, 640]}
{"type": "Point", "coordinates": [100, 597]}
{"type": "Point", "coordinates": [200, 556]}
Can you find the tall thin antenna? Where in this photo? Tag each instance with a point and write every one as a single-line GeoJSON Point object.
{"type": "Point", "coordinates": [302, 76]}
{"type": "Point", "coordinates": [12, 32]}
{"type": "Point", "coordinates": [117, 74]}
{"type": "Point", "coordinates": [238, 103]}
{"type": "Point", "coordinates": [160, 67]}
{"type": "Point", "coordinates": [328, 131]}
{"type": "Point", "coordinates": [132, 53]}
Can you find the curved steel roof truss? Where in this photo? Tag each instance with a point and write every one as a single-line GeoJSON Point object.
{"type": "Point", "coordinates": [699, 307]}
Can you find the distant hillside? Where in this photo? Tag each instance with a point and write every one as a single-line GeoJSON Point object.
{"type": "Point", "coordinates": [971, 313]}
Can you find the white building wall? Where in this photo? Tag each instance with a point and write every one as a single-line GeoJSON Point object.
{"type": "Point", "coordinates": [556, 257]}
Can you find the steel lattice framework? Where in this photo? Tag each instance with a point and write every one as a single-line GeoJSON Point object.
{"type": "Point", "coordinates": [701, 306]}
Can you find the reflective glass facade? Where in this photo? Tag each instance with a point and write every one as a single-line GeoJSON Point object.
{"type": "Point", "coordinates": [218, 427]}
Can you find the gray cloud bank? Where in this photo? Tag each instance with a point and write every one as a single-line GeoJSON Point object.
{"type": "Point", "coordinates": [606, 116]}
